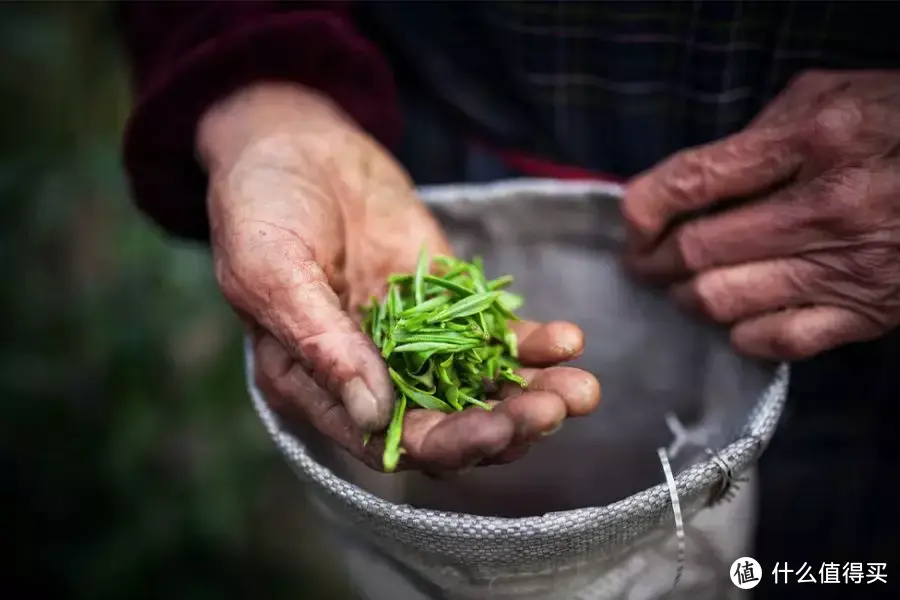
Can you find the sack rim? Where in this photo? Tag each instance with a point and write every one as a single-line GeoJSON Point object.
{"type": "Point", "coordinates": [692, 483]}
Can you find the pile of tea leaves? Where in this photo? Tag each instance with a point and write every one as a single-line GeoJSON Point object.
{"type": "Point", "coordinates": [445, 338]}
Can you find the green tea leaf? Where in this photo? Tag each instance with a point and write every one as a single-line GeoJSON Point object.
{"type": "Point", "coordinates": [425, 382]}
{"type": "Point", "coordinates": [420, 361]}
{"type": "Point", "coordinates": [511, 301]}
{"type": "Point", "coordinates": [443, 373]}
{"type": "Point", "coordinates": [492, 366]}
{"type": "Point", "coordinates": [512, 343]}
{"type": "Point", "coordinates": [452, 393]}
{"type": "Point", "coordinates": [472, 305]}
{"type": "Point", "coordinates": [507, 374]}
{"type": "Point", "coordinates": [388, 348]}
{"type": "Point", "coordinates": [421, 398]}
{"type": "Point", "coordinates": [445, 338]}
{"type": "Point", "coordinates": [421, 270]}
{"type": "Point", "coordinates": [502, 311]}
{"type": "Point", "coordinates": [449, 285]}
{"type": "Point", "coordinates": [400, 279]}
{"type": "Point", "coordinates": [396, 303]}
{"type": "Point", "coordinates": [500, 282]}
{"type": "Point", "coordinates": [435, 347]}
{"type": "Point", "coordinates": [402, 334]}
{"type": "Point", "coordinates": [426, 306]}
{"type": "Point", "coordinates": [394, 435]}
{"type": "Point", "coordinates": [477, 276]}
{"type": "Point", "coordinates": [449, 263]}
{"type": "Point", "coordinates": [390, 305]}
{"type": "Point", "coordinates": [472, 400]}
{"type": "Point", "coordinates": [378, 319]}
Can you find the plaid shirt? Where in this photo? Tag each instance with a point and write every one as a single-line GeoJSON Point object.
{"type": "Point", "coordinates": [618, 86]}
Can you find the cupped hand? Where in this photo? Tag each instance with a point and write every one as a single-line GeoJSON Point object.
{"type": "Point", "coordinates": [789, 231]}
{"type": "Point", "coordinates": [308, 218]}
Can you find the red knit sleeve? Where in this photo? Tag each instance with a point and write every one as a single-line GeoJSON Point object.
{"type": "Point", "coordinates": [187, 55]}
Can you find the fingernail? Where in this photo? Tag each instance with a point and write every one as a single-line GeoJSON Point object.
{"type": "Point", "coordinates": [571, 341]}
{"type": "Point", "coordinates": [363, 406]}
{"type": "Point", "coordinates": [552, 430]}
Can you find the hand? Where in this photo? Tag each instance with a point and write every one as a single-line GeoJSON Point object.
{"type": "Point", "coordinates": [309, 216]}
{"type": "Point", "coordinates": [810, 257]}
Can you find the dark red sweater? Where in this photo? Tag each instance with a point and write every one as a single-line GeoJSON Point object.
{"type": "Point", "coordinates": [186, 55]}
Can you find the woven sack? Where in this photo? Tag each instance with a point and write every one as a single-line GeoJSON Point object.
{"type": "Point", "coordinates": [589, 513]}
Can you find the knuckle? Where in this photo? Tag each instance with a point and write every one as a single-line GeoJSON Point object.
{"type": "Point", "coordinates": [712, 301]}
{"type": "Point", "coordinates": [636, 214]}
{"type": "Point", "coordinates": [873, 261]}
{"type": "Point", "coordinates": [693, 248]}
{"type": "Point", "coordinates": [331, 420]}
{"type": "Point", "coordinates": [309, 284]}
{"type": "Point", "coordinates": [795, 342]}
{"type": "Point", "coordinates": [720, 296]}
{"type": "Point", "coordinates": [276, 390]}
{"type": "Point", "coordinates": [282, 385]}
{"type": "Point", "coordinates": [323, 353]}
{"type": "Point", "coordinates": [268, 252]}
{"type": "Point", "coordinates": [272, 371]}
{"type": "Point", "coordinates": [838, 122]}
{"type": "Point", "coordinates": [688, 180]}
{"type": "Point", "coordinates": [841, 205]}
{"type": "Point", "coordinates": [267, 276]}
{"type": "Point", "coordinates": [865, 268]}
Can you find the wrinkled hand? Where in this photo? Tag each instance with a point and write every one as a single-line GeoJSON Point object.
{"type": "Point", "coordinates": [797, 240]}
{"type": "Point", "coordinates": [308, 218]}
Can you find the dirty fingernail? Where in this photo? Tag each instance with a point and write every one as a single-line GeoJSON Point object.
{"type": "Point", "coordinates": [552, 430]}
{"type": "Point", "coordinates": [569, 339]}
{"type": "Point", "coordinates": [363, 406]}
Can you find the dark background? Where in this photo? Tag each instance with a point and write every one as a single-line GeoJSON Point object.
{"type": "Point", "coordinates": [132, 463]}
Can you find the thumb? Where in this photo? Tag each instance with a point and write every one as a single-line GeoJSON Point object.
{"type": "Point", "coordinates": [288, 294]}
{"type": "Point", "coordinates": [742, 165]}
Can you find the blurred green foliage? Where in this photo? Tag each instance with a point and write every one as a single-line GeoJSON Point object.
{"type": "Point", "coordinates": [133, 464]}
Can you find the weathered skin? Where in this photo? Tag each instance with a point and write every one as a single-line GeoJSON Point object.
{"type": "Point", "coordinates": [309, 215]}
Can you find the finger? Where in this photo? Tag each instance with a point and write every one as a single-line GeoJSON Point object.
{"type": "Point", "coordinates": [304, 314]}
{"type": "Point", "coordinates": [537, 415]}
{"type": "Point", "coordinates": [801, 333]}
{"type": "Point", "coordinates": [579, 390]}
{"type": "Point", "coordinates": [293, 394]}
{"type": "Point", "coordinates": [783, 224]}
{"type": "Point", "coordinates": [742, 165]}
{"type": "Point", "coordinates": [436, 441]}
{"type": "Point", "coordinates": [534, 413]}
{"type": "Point", "coordinates": [735, 293]}
{"type": "Point", "coordinates": [511, 454]}
{"type": "Point", "coordinates": [548, 343]}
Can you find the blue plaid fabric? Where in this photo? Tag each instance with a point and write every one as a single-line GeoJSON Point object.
{"type": "Point", "coordinates": [618, 86]}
